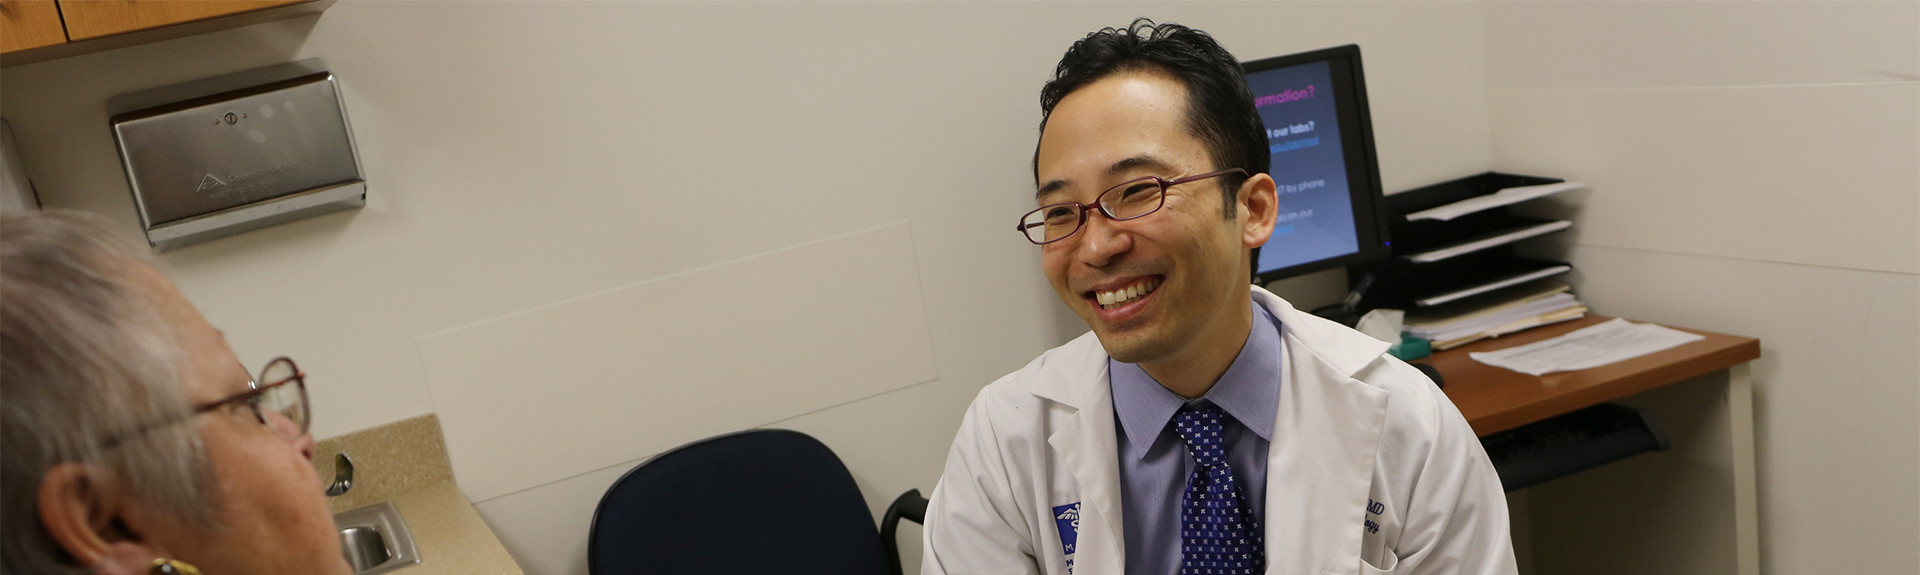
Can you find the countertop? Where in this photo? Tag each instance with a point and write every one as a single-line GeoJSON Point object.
{"type": "Point", "coordinates": [405, 462]}
{"type": "Point", "coordinates": [450, 535]}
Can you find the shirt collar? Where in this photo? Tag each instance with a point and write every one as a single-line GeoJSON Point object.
{"type": "Point", "coordinates": [1249, 390]}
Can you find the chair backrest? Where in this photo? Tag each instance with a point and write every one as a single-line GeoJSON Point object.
{"type": "Point", "coordinates": [760, 501]}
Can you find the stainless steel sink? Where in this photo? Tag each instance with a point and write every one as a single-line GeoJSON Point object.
{"type": "Point", "coordinates": [375, 539]}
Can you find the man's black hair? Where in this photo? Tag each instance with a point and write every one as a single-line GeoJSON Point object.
{"type": "Point", "coordinates": [1220, 111]}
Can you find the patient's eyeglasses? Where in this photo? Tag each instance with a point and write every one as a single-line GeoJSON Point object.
{"type": "Point", "coordinates": [277, 398]}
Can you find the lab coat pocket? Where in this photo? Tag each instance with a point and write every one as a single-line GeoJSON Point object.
{"type": "Point", "coordinates": [1387, 558]}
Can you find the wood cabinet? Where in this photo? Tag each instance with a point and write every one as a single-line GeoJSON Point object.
{"type": "Point", "coordinates": [88, 19]}
{"type": "Point", "coordinates": [37, 30]}
{"type": "Point", "coordinates": [29, 24]}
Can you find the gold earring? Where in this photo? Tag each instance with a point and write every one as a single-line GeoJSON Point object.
{"type": "Point", "coordinates": [172, 567]}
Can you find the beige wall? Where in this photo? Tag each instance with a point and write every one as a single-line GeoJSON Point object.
{"type": "Point", "coordinates": [1755, 169]}
{"type": "Point", "coordinates": [523, 154]}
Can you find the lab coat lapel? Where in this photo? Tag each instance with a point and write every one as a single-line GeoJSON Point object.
{"type": "Point", "coordinates": [1325, 439]}
{"type": "Point", "coordinates": [1088, 444]}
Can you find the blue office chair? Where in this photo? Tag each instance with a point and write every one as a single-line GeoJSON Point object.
{"type": "Point", "coordinates": [752, 502]}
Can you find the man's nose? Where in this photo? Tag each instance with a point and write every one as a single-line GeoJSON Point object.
{"type": "Point", "coordinates": [1104, 239]}
{"type": "Point", "coordinates": [281, 423]}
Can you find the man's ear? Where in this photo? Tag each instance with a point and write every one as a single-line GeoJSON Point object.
{"type": "Point", "coordinates": [1260, 206]}
{"type": "Point", "coordinates": [82, 507]}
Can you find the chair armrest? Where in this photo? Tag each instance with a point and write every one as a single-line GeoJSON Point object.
{"type": "Point", "coordinates": [909, 506]}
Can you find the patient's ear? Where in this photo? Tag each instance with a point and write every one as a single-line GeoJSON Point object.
{"type": "Point", "coordinates": [85, 510]}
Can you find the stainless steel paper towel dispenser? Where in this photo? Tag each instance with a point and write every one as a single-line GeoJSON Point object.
{"type": "Point", "coordinates": [216, 157]}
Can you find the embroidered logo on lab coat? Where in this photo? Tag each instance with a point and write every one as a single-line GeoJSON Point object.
{"type": "Point", "coordinates": [1067, 519]}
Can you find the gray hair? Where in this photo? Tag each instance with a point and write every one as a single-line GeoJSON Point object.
{"type": "Point", "coordinates": [85, 356]}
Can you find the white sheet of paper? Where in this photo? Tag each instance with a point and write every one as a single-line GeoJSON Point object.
{"type": "Point", "coordinates": [1503, 197]}
{"type": "Point", "coordinates": [1587, 347]}
{"type": "Point", "coordinates": [1484, 288]}
{"type": "Point", "coordinates": [1500, 240]}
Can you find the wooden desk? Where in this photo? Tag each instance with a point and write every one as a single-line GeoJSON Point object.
{"type": "Point", "coordinates": [1495, 399]}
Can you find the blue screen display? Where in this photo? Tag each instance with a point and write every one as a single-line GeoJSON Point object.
{"type": "Point", "coordinates": [1309, 166]}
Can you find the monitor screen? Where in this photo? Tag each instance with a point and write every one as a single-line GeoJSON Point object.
{"type": "Point", "coordinates": [1326, 175]}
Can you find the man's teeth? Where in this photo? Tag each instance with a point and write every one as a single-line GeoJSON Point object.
{"type": "Point", "coordinates": [1111, 299]}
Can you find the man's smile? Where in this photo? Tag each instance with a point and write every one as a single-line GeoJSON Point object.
{"type": "Point", "coordinates": [1120, 293]}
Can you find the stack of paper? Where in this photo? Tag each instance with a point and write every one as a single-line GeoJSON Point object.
{"type": "Point", "coordinates": [1494, 314]}
{"type": "Point", "coordinates": [1587, 347]}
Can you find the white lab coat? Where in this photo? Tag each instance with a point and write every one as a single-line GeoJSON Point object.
{"type": "Point", "coordinates": [1371, 469]}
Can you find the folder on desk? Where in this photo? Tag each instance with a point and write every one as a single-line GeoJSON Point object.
{"type": "Point", "coordinates": [1495, 314]}
{"type": "Point", "coordinates": [1568, 314]}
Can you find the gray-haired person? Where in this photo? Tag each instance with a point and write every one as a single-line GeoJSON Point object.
{"type": "Point", "coordinates": [134, 441]}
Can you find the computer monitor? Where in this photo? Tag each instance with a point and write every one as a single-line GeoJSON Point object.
{"type": "Point", "coordinates": [1314, 105]}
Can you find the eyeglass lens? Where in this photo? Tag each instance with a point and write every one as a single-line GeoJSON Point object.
{"type": "Point", "coordinates": [1132, 199]}
{"type": "Point", "coordinates": [1124, 202]}
{"type": "Point", "coordinates": [284, 407]}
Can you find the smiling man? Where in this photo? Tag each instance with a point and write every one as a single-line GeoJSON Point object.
{"type": "Point", "coordinates": [1204, 426]}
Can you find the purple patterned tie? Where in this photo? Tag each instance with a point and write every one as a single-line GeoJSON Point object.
{"type": "Point", "coordinates": [1218, 536]}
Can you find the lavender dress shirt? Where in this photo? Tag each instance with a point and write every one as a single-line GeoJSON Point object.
{"type": "Point", "coordinates": [1154, 464]}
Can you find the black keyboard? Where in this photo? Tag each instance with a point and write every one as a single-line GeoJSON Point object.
{"type": "Point", "coordinates": [1537, 452]}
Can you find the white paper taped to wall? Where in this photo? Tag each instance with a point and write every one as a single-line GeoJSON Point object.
{"type": "Point", "coordinates": [573, 387]}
